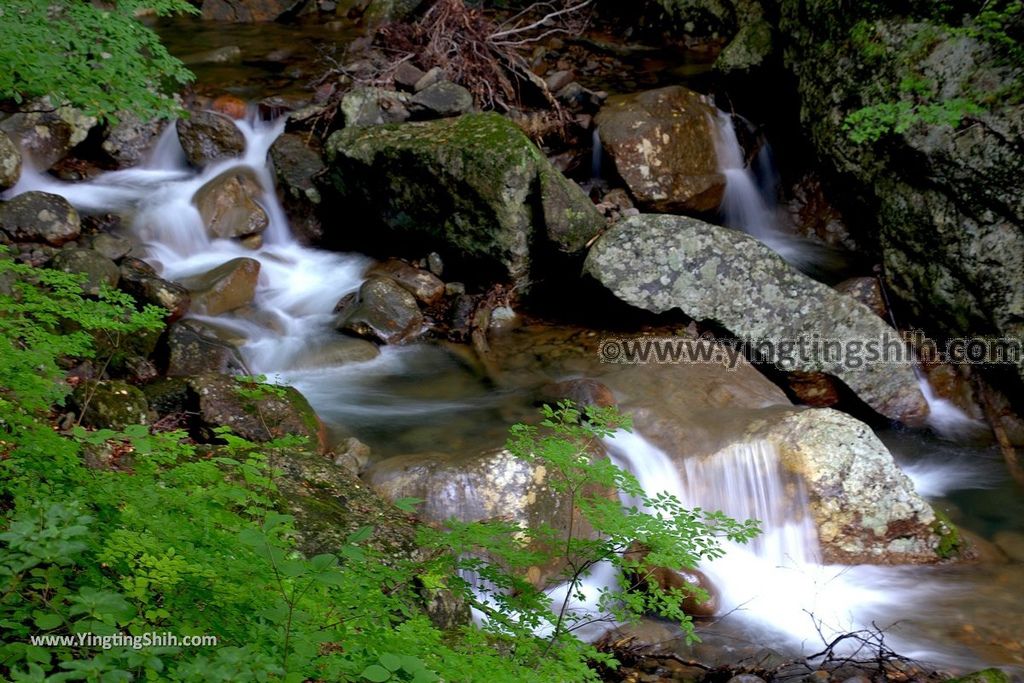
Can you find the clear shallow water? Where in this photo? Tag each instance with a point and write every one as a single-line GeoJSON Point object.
{"type": "Point", "coordinates": [422, 397]}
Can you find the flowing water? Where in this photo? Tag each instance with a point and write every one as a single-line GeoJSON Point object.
{"type": "Point", "coordinates": [774, 589]}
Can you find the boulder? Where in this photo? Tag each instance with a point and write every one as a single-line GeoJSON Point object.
{"type": "Point", "coordinates": [97, 268]}
{"type": "Point", "coordinates": [225, 288]}
{"type": "Point", "coordinates": [113, 247]}
{"type": "Point", "coordinates": [440, 185]}
{"type": "Point", "coordinates": [366, 106]}
{"type": "Point", "coordinates": [491, 485]}
{"type": "Point", "coordinates": [10, 162]}
{"type": "Point", "coordinates": [384, 311]}
{"type": "Point", "coordinates": [866, 510]}
{"type": "Point", "coordinates": [663, 145]}
{"type": "Point", "coordinates": [141, 281]}
{"type": "Point", "coordinates": [441, 99]}
{"type": "Point", "coordinates": [207, 137]}
{"type": "Point", "coordinates": [46, 133]}
{"type": "Point", "coordinates": [944, 202]}
{"type": "Point", "coordinates": [296, 165]}
{"type": "Point", "coordinates": [40, 217]}
{"type": "Point", "coordinates": [660, 263]}
{"type": "Point", "coordinates": [110, 404]}
{"type": "Point", "coordinates": [408, 75]}
{"type": "Point", "coordinates": [422, 284]}
{"type": "Point", "coordinates": [195, 348]}
{"type": "Point", "coordinates": [253, 411]}
{"type": "Point", "coordinates": [129, 140]}
{"type": "Point", "coordinates": [229, 206]}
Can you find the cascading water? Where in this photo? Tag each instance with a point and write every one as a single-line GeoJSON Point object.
{"type": "Point", "coordinates": [775, 588]}
{"type": "Point", "coordinates": [298, 286]}
{"type": "Point", "coordinates": [945, 417]}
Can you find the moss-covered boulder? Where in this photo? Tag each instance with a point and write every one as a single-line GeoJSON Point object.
{"type": "Point", "coordinates": [254, 411]}
{"type": "Point", "coordinates": [110, 404]}
{"type": "Point", "coordinates": [473, 188]}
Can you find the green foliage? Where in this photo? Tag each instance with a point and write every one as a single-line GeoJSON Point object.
{"type": "Point", "coordinates": [190, 539]}
{"type": "Point", "coordinates": [999, 24]}
{"type": "Point", "coordinates": [98, 58]}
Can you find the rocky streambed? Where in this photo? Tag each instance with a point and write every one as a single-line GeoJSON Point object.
{"type": "Point", "coordinates": [493, 281]}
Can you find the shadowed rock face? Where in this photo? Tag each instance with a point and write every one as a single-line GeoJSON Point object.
{"type": "Point", "coordinates": [663, 144]}
{"type": "Point", "coordinates": [659, 263]}
{"type": "Point", "coordinates": [946, 202]}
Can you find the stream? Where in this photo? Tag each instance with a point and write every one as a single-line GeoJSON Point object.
{"type": "Point", "coordinates": [776, 591]}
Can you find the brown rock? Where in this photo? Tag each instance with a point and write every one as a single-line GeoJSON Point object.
{"type": "Point", "coordinates": [813, 388]}
{"type": "Point", "coordinates": [228, 205]}
{"type": "Point", "coordinates": [686, 580]}
{"type": "Point", "coordinates": [868, 291]}
{"type": "Point", "coordinates": [207, 136]}
{"type": "Point", "coordinates": [425, 286]}
{"type": "Point", "coordinates": [229, 105]}
{"type": "Point", "coordinates": [228, 286]}
{"type": "Point", "coordinates": [582, 392]}
{"type": "Point", "coordinates": [384, 310]}
{"type": "Point", "coordinates": [663, 145]}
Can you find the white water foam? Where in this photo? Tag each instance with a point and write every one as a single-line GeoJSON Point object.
{"type": "Point", "coordinates": [945, 418]}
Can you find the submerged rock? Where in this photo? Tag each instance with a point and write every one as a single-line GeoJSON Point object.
{"type": "Point", "coordinates": [225, 288]}
{"type": "Point", "coordinates": [257, 412]}
{"type": "Point", "coordinates": [229, 206]}
{"type": "Point", "coordinates": [442, 186]}
{"type": "Point", "coordinates": [661, 263]}
{"type": "Point", "coordinates": [383, 310]}
{"type": "Point", "coordinates": [866, 510]}
{"type": "Point", "coordinates": [40, 217]}
{"type": "Point", "coordinates": [10, 162]}
{"type": "Point", "coordinates": [207, 137]}
{"type": "Point", "coordinates": [663, 145]}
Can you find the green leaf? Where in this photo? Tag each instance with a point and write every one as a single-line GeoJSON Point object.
{"type": "Point", "coordinates": [376, 674]}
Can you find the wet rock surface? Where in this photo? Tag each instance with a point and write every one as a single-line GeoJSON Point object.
{"type": "Point", "coordinates": [225, 288]}
{"type": "Point", "coordinates": [663, 145]}
{"type": "Point", "coordinates": [141, 281]}
{"type": "Point", "coordinates": [383, 310]}
{"type": "Point", "coordinates": [207, 137]}
{"type": "Point", "coordinates": [229, 205]}
{"type": "Point", "coordinates": [296, 165]}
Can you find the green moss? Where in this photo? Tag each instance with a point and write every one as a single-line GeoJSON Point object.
{"type": "Point", "coordinates": [984, 676]}
{"type": "Point", "coordinates": [951, 544]}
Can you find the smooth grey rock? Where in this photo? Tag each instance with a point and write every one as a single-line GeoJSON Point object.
{"type": "Point", "coordinates": [441, 99]}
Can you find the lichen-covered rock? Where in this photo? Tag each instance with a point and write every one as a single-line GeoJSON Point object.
{"type": "Point", "coordinates": [660, 263]}
{"type": "Point", "coordinates": [946, 201]}
{"type": "Point", "coordinates": [748, 49]}
{"type": "Point", "coordinates": [866, 510]}
{"type": "Point", "coordinates": [383, 310]}
{"type": "Point", "coordinates": [443, 185]}
{"type": "Point", "coordinates": [225, 288]}
{"type": "Point", "coordinates": [257, 412]}
{"type": "Point", "coordinates": [97, 268]}
{"type": "Point", "coordinates": [207, 137]}
{"type": "Point", "coordinates": [229, 205]}
{"type": "Point", "coordinates": [129, 140]}
{"type": "Point", "coordinates": [111, 404]}
{"type": "Point", "coordinates": [296, 165]}
{"type": "Point", "coordinates": [663, 145]}
{"type": "Point", "coordinates": [367, 106]}
{"type": "Point", "coordinates": [140, 280]}
{"type": "Point", "coordinates": [194, 348]}
{"type": "Point", "coordinates": [47, 133]}
{"type": "Point", "coordinates": [40, 217]}
{"type": "Point", "coordinates": [10, 162]}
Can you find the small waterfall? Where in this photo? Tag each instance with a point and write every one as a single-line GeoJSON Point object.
{"type": "Point", "coordinates": [750, 206]}
{"type": "Point", "coordinates": [945, 418]}
{"type": "Point", "coordinates": [774, 587]}
{"type": "Point", "coordinates": [596, 156]}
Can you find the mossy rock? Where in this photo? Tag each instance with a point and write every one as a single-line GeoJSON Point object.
{"type": "Point", "coordinates": [111, 404]}
{"type": "Point", "coordinates": [473, 188]}
{"type": "Point", "coordinates": [992, 675]}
